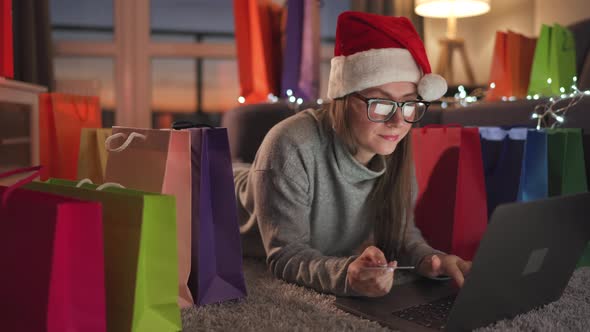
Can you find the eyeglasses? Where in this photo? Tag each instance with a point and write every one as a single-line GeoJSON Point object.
{"type": "Point", "coordinates": [382, 110]}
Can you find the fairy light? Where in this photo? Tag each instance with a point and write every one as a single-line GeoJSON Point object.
{"type": "Point", "coordinates": [241, 99]}
{"type": "Point", "coordinates": [529, 97]}
{"type": "Point", "coordinates": [562, 90]}
{"type": "Point", "coordinates": [299, 101]}
{"type": "Point", "coordinates": [493, 85]}
{"type": "Point", "coordinates": [289, 92]}
{"type": "Point", "coordinates": [549, 80]}
{"type": "Point", "coordinates": [292, 99]}
{"type": "Point", "coordinates": [552, 109]}
{"type": "Point", "coordinates": [536, 97]}
{"type": "Point", "coordinates": [320, 101]}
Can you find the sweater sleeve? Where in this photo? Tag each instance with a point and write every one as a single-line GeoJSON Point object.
{"type": "Point", "coordinates": [282, 207]}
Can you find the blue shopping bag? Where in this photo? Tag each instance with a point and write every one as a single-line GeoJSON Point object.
{"type": "Point", "coordinates": [534, 182]}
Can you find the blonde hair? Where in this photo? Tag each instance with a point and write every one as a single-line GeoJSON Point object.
{"type": "Point", "coordinates": [391, 196]}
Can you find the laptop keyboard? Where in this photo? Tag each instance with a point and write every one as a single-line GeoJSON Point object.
{"type": "Point", "coordinates": [433, 314]}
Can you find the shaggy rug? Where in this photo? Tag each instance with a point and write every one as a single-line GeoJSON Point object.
{"type": "Point", "coordinates": [273, 305]}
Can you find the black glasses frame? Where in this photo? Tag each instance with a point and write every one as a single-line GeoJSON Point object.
{"type": "Point", "coordinates": [398, 104]}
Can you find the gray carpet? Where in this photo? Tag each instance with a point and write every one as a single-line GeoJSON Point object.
{"type": "Point", "coordinates": [273, 305]}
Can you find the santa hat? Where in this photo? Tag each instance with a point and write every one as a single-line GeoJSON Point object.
{"type": "Point", "coordinates": [372, 50]}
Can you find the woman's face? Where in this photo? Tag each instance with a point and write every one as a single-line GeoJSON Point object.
{"type": "Point", "coordinates": [379, 138]}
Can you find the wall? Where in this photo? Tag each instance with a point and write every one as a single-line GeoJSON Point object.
{"type": "Point", "coordinates": [564, 12]}
{"type": "Point", "coordinates": [479, 34]}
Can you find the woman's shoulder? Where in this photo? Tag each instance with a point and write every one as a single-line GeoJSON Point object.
{"type": "Point", "coordinates": [302, 130]}
{"type": "Point", "coordinates": [299, 136]}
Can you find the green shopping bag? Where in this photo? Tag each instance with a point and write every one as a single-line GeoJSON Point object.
{"type": "Point", "coordinates": [567, 169]}
{"type": "Point", "coordinates": [141, 262]}
{"type": "Point", "coordinates": [562, 63]}
{"type": "Point", "coordinates": [554, 59]}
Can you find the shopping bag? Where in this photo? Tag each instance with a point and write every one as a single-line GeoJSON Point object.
{"type": "Point", "coordinates": [499, 73]}
{"type": "Point", "coordinates": [566, 165]}
{"type": "Point", "coordinates": [451, 209]}
{"type": "Point", "coordinates": [61, 119]}
{"type": "Point", "coordinates": [309, 78]}
{"type": "Point", "coordinates": [51, 248]}
{"type": "Point", "coordinates": [511, 65]}
{"type": "Point", "coordinates": [217, 269]}
{"type": "Point", "coordinates": [141, 263]}
{"type": "Point", "coordinates": [502, 155]}
{"type": "Point", "coordinates": [533, 183]}
{"type": "Point", "coordinates": [562, 62]}
{"type": "Point", "coordinates": [521, 51]}
{"type": "Point", "coordinates": [92, 160]}
{"type": "Point", "coordinates": [554, 63]}
{"type": "Point", "coordinates": [6, 40]}
{"type": "Point", "coordinates": [157, 161]}
{"type": "Point", "coordinates": [567, 169]}
{"type": "Point", "coordinates": [258, 48]}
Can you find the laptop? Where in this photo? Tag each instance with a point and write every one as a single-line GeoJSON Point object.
{"type": "Point", "coordinates": [525, 260]}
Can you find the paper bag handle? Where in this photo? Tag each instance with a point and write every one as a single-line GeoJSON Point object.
{"type": "Point", "coordinates": [123, 146]}
{"type": "Point", "coordinates": [22, 182]}
{"type": "Point", "coordinates": [178, 125]}
{"type": "Point", "coordinates": [102, 186]}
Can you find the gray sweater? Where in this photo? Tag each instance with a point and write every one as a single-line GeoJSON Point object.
{"type": "Point", "coordinates": [308, 196]}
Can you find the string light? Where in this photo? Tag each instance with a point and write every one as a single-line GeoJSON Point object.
{"type": "Point", "coordinates": [292, 99]}
{"type": "Point", "coordinates": [493, 85]}
{"type": "Point", "coordinates": [289, 92]}
{"type": "Point", "coordinates": [241, 99]}
{"type": "Point", "coordinates": [320, 101]}
{"type": "Point", "coordinates": [549, 80]}
{"type": "Point", "coordinates": [299, 101]}
{"type": "Point", "coordinates": [543, 112]}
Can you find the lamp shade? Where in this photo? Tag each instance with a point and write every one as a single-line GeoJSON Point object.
{"type": "Point", "coordinates": [451, 8]}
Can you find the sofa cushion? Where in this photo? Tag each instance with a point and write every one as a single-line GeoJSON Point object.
{"type": "Point", "coordinates": [248, 124]}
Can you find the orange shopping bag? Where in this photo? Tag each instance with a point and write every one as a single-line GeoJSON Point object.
{"type": "Point", "coordinates": [511, 65]}
{"type": "Point", "coordinates": [258, 48]}
{"type": "Point", "coordinates": [61, 119]}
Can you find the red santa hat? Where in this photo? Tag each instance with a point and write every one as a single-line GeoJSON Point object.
{"type": "Point", "coordinates": [372, 50]}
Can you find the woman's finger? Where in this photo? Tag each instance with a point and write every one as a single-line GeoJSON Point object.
{"type": "Point", "coordinates": [375, 255]}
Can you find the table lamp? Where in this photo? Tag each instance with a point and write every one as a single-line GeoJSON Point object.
{"type": "Point", "coordinates": [451, 10]}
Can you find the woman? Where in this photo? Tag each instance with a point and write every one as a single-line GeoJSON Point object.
{"type": "Point", "coordinates": [332, 190]}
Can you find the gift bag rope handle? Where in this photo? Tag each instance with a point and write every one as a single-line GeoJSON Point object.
{"type": "Point", "coordinates": [101, 187]}
{"type": "Point", "coordinates": [22, 182]}
{"type": "Point", "coordinates": [450, 125]}
{"type": "Point", "coordinates": [123, 146]}
{"type": "Point", "coordinates": [177, 125]}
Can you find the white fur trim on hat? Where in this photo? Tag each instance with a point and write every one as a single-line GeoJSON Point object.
{"type": "Point", "coordinates": [375, 67]}
{"type": "Point", "coordinates": [432, 87]}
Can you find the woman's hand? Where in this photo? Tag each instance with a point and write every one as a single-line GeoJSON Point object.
{"type": "Point", "coordinates": [372, 283]}
{"type": "Point", "coordinates": [450, 265]}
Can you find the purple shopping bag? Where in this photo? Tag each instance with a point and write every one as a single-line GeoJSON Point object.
{"type": "Point", "coordinates": [216, 265]}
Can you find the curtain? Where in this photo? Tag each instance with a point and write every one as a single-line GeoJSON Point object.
{"type": "Point", "coordinates": [33, 54]}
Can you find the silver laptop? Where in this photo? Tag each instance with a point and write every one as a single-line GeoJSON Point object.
{"type": "Point", "coordinates": [525, 260]}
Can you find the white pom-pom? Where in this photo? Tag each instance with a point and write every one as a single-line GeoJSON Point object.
{"type": "Point", "coordinates": [432, 87]}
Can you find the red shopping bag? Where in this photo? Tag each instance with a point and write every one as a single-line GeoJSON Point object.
{"type": "Point", "coordinates": [52, 261]}
{"type": "Point", "coordinates": [258, 48]}
{"type": "Point", "coordinates": [511, 65]}
{"type": "Point", "coordinates": [6, 45]}
{"type": "Point", "coordinates": [451, 209]}
{"type": "Point", "coordinates": [61, 119]}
